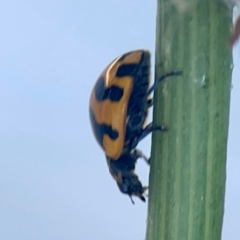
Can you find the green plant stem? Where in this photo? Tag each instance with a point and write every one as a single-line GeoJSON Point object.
{"type": "Point", "coordinates": [188, 162]}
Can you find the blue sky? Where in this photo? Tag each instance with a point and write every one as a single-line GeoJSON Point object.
{"type": "Point", "coordinates": [54, 181]}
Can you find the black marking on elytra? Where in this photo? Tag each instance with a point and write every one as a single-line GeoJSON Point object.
{"type": "Point", "coordinates": [102, 129]}
{"type": "Point", "coordinates": [126, 70]}
{"type": "Point", "coordinates": [113, 93]}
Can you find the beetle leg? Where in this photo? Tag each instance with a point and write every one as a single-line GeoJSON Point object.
{"type": "Point", "coordinates": [144, 189]}
{"type": "Point", "coordinates": [156, 83]}
{"type": "Point", "coordinates": [149, 103]}
{"type": "Point", "coordinates": [144, 194]}
{"type": "Point", "coordinates": [148, 129]}
{"type": "Point", "coordinates": [139, 154]}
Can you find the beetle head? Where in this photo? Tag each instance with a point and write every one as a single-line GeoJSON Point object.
{"type": "Point", "coordinates": [129, 184]}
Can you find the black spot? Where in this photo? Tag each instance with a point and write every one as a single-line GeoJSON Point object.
{"type": "Point", "coordinates": [127, 70]}
{"type": "Point", "coordinates": [101, 129]}
{"type": "Point", "coordinates": [114, 93]}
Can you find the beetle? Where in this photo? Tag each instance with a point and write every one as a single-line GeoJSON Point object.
{"type": "Point", "coordinates": [118, 109]}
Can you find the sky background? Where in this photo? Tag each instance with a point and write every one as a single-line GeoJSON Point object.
{"type": "Point", "coordinates": [54, 181]}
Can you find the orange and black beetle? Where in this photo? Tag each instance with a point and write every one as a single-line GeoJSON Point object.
{"type": "Point", "coordinates": [119, 105]}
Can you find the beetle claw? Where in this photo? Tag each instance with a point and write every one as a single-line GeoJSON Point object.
{"type": "Point", "coordinates": [149, 103]}
{"type": "Point", "coordinates": [161, 128]}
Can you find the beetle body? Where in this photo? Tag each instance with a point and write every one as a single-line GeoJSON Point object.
{"type": "Point", "coordinates": [117, 110]}
{"type": "Point", "coordinates": [119, 105]}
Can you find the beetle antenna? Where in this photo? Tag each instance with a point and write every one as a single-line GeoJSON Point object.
{"type": "Point", "coordinates": [131, 199]}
